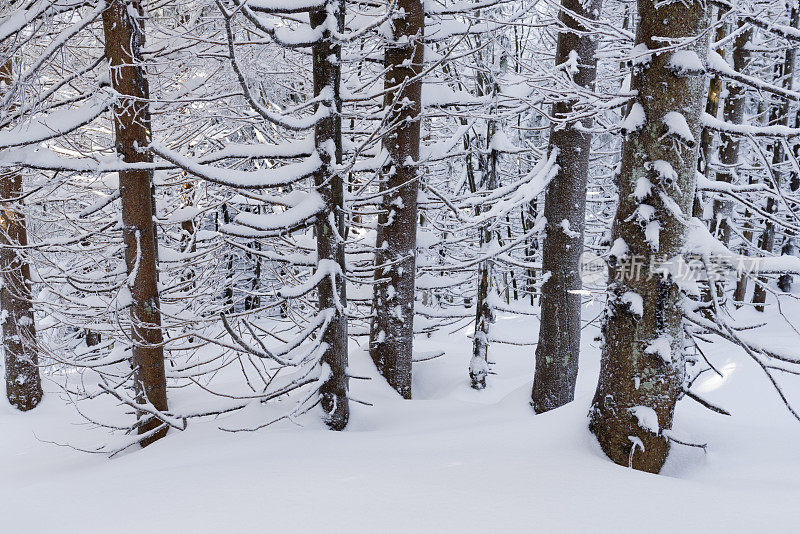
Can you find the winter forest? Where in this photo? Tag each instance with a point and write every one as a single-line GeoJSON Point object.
{"type": "Point", "coordinates": [399, 265]}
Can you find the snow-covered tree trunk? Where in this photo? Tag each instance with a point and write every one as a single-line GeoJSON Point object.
{"type": "Point", "coordinates": [227, 292]}
{"type": "Point", "coordinates": [733, 112]}
{"type": "Point", "coordinates": [188, 231]}
{"type": "Point", "coordinates": [643, 365]}
{"type": "Point", "coordinates": [529, 214]}
{"type": "Point", "coordinates": [124, 40]}
{"type": "Point", "coordinates": [329, 228]}
{"type": "Point", "coordinates": [564, 206]}
{"type": "Point", "coordinates": [392, 326]}
{"type": "Point", "coordinates": [23, 384]}
{"type": "Point", "coordinates": [484, 315]}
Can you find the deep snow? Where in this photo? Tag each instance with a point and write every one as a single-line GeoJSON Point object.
{"type": "Point", "coordinates": [452, 460]}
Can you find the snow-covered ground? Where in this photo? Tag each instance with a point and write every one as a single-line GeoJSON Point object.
{"type": "Point", "coordinates": [452, 460]}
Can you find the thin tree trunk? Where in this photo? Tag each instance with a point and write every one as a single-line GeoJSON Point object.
{"type": "Point", "coordinates": [712, 106]}
{"type": "Point", "coordinates": [188, 237]}
{"type": "Point", "coordinates": [484, 315]}
{"type": "Point", "coordinates": [713, 102]}
{"type": "Point", "coordinates": [227, 292]}
{"type": "Point", "coordinates": [643, 365]}
{"type": "Point", "coordinates": [528, 217]}
{"type": "Point", "coordinates": [788, 246]}
{"type": "Point", "coordinates": [513, 271]}
{"type": "Point", "coordinates": [729, 148]}
{"type": "Point", "coordinates": [392, 327]}
{"type": "Point", "coordinates": [748, 233]}
{"type": "Point", "coordinates": [252, 300]}
{"type": "Point", "coordinates": [707, 136]}
{"type": "Point", "coordinates": [767, 240]}
{"type": "Point", "coordinates": [564, 208]}
{"type": "Point", "coordinates": [329, 227]}
{"type": "Point", "coordinates": [124, 38]}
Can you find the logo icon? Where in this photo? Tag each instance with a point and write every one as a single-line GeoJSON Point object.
{"type": "Point", "coordinates": [593, 270]}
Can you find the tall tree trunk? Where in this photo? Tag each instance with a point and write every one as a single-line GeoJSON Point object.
{"type": "Point", "coordinates": [124, 38]}
{"type": "Point", "coordinates": [748, 232]}
{"type": "Point", "coordinates": [643, 365]}
{"type": "Point", "coordinates": [329, 227]}
{"type": "Point", "coordinates": [564, 207]}
{"type": "Point", "coordinates": [707, 136]}
{"type": "Point", "coordinates": [781, 116]}
{"type": "Point", "coordinates": [392, 326]}
{"type": "Point", "coordinates": [713, 102]}
{"type": "Point", "coordinates": [484, 315]}
{"type": "Point", "coordinates": [529, 213]}
{"type": "Point", "coordinates": [733, 112]}
{"type": "Point", "coordinates": [788, 246]}
{"type": "Point", "coordinates": [23, 384]}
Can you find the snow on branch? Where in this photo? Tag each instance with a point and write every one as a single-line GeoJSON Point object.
{"type": "Point", "coordinates": [284, 6]}
{"type": "Point", "coordinates": [54, 124]}
{"type": "Point", "coordinates": [303, 209]}
{"type": "Point", "coordinates": [43, 158]}
{"type": "Point", "coordinates": [302, 37]}
{"type": "Point", "coordinates": [275, 177]}
{"type": "Point", "coordinates": [782, 30]}
{"type": "Point", "coordinates": [775, 130]}
{"type": "Point", "coordinates": [325, 269]}
{"type": "Point", "coordinates": [717, 65]}
{"type": "Point", "coordinates": [25, 15]}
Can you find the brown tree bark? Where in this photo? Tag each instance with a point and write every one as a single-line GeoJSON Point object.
{"type": "Point", "coordinates": [23, 383]}
{"type": "Point", "coordinates": [565, 204]}
{"type": "Point", "coordinates": [643, 365]}
{"type": "Point", "coordinates": [124, 39]}
{"type": "Point", "coordinates": [326, 55]}
{"type": "Point", "coordinates": [392, 326]}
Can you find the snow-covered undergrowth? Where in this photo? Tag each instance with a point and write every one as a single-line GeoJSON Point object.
{"type": "Point", "coordinates": [452, 460]}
